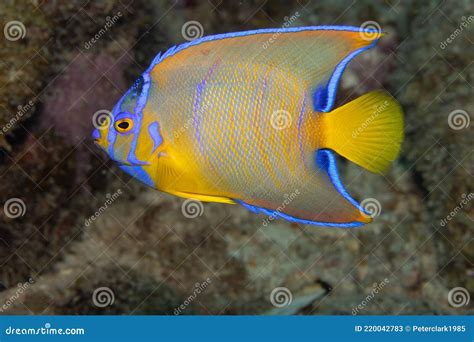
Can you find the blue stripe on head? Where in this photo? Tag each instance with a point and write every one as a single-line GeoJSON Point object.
{"type": "Point", "coordinates": [96, 134]}
{"type": "Point", "coordinates": [154, 131]}
{"type": "Point", "coordinates": [111, 139]}
{"type": "Point", "coordinates": [112, 134]}
{"type": "Point", "coordinates": [141, 103]}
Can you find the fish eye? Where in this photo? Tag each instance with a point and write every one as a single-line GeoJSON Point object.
{"type": "Point", "coordinates": [123, 125]}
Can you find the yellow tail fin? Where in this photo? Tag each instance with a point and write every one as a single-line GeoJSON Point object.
{"type": "Point", "coordinates": [368, 131]}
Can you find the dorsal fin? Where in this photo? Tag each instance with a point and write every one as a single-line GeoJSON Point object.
{"type": "Point", "coordinates": [316, 55]}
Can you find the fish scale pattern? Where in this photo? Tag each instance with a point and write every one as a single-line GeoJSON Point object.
{"type": "Point", "coordinates": [248, 147]}
{"type": "Point", "coordinates": [250, 130]}
{"type": "Point", "coordinates": [241, 145]}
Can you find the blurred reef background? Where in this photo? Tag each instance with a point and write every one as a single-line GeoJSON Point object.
{"type": "Point", "coordinates": [145, 254]}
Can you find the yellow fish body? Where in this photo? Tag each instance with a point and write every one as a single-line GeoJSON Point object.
{"type": "Point", "coordinates": [235, 119]}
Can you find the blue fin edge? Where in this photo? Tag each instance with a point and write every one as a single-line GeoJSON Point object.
{"type": "Point", "coordinates": [177, 48]}
{"type": "Point", "coordinates": [290, 218]}
{"type": "Point", "coordinates": [326, 161]}
{"type": "Point", "coordinates": [325, 96]}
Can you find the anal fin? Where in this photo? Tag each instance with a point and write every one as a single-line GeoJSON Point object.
{"type": "Point", "coordinates": [201, 197]}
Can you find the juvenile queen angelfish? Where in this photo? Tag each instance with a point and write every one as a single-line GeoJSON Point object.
{"type": "Point", "coordinates": [248, 118]}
